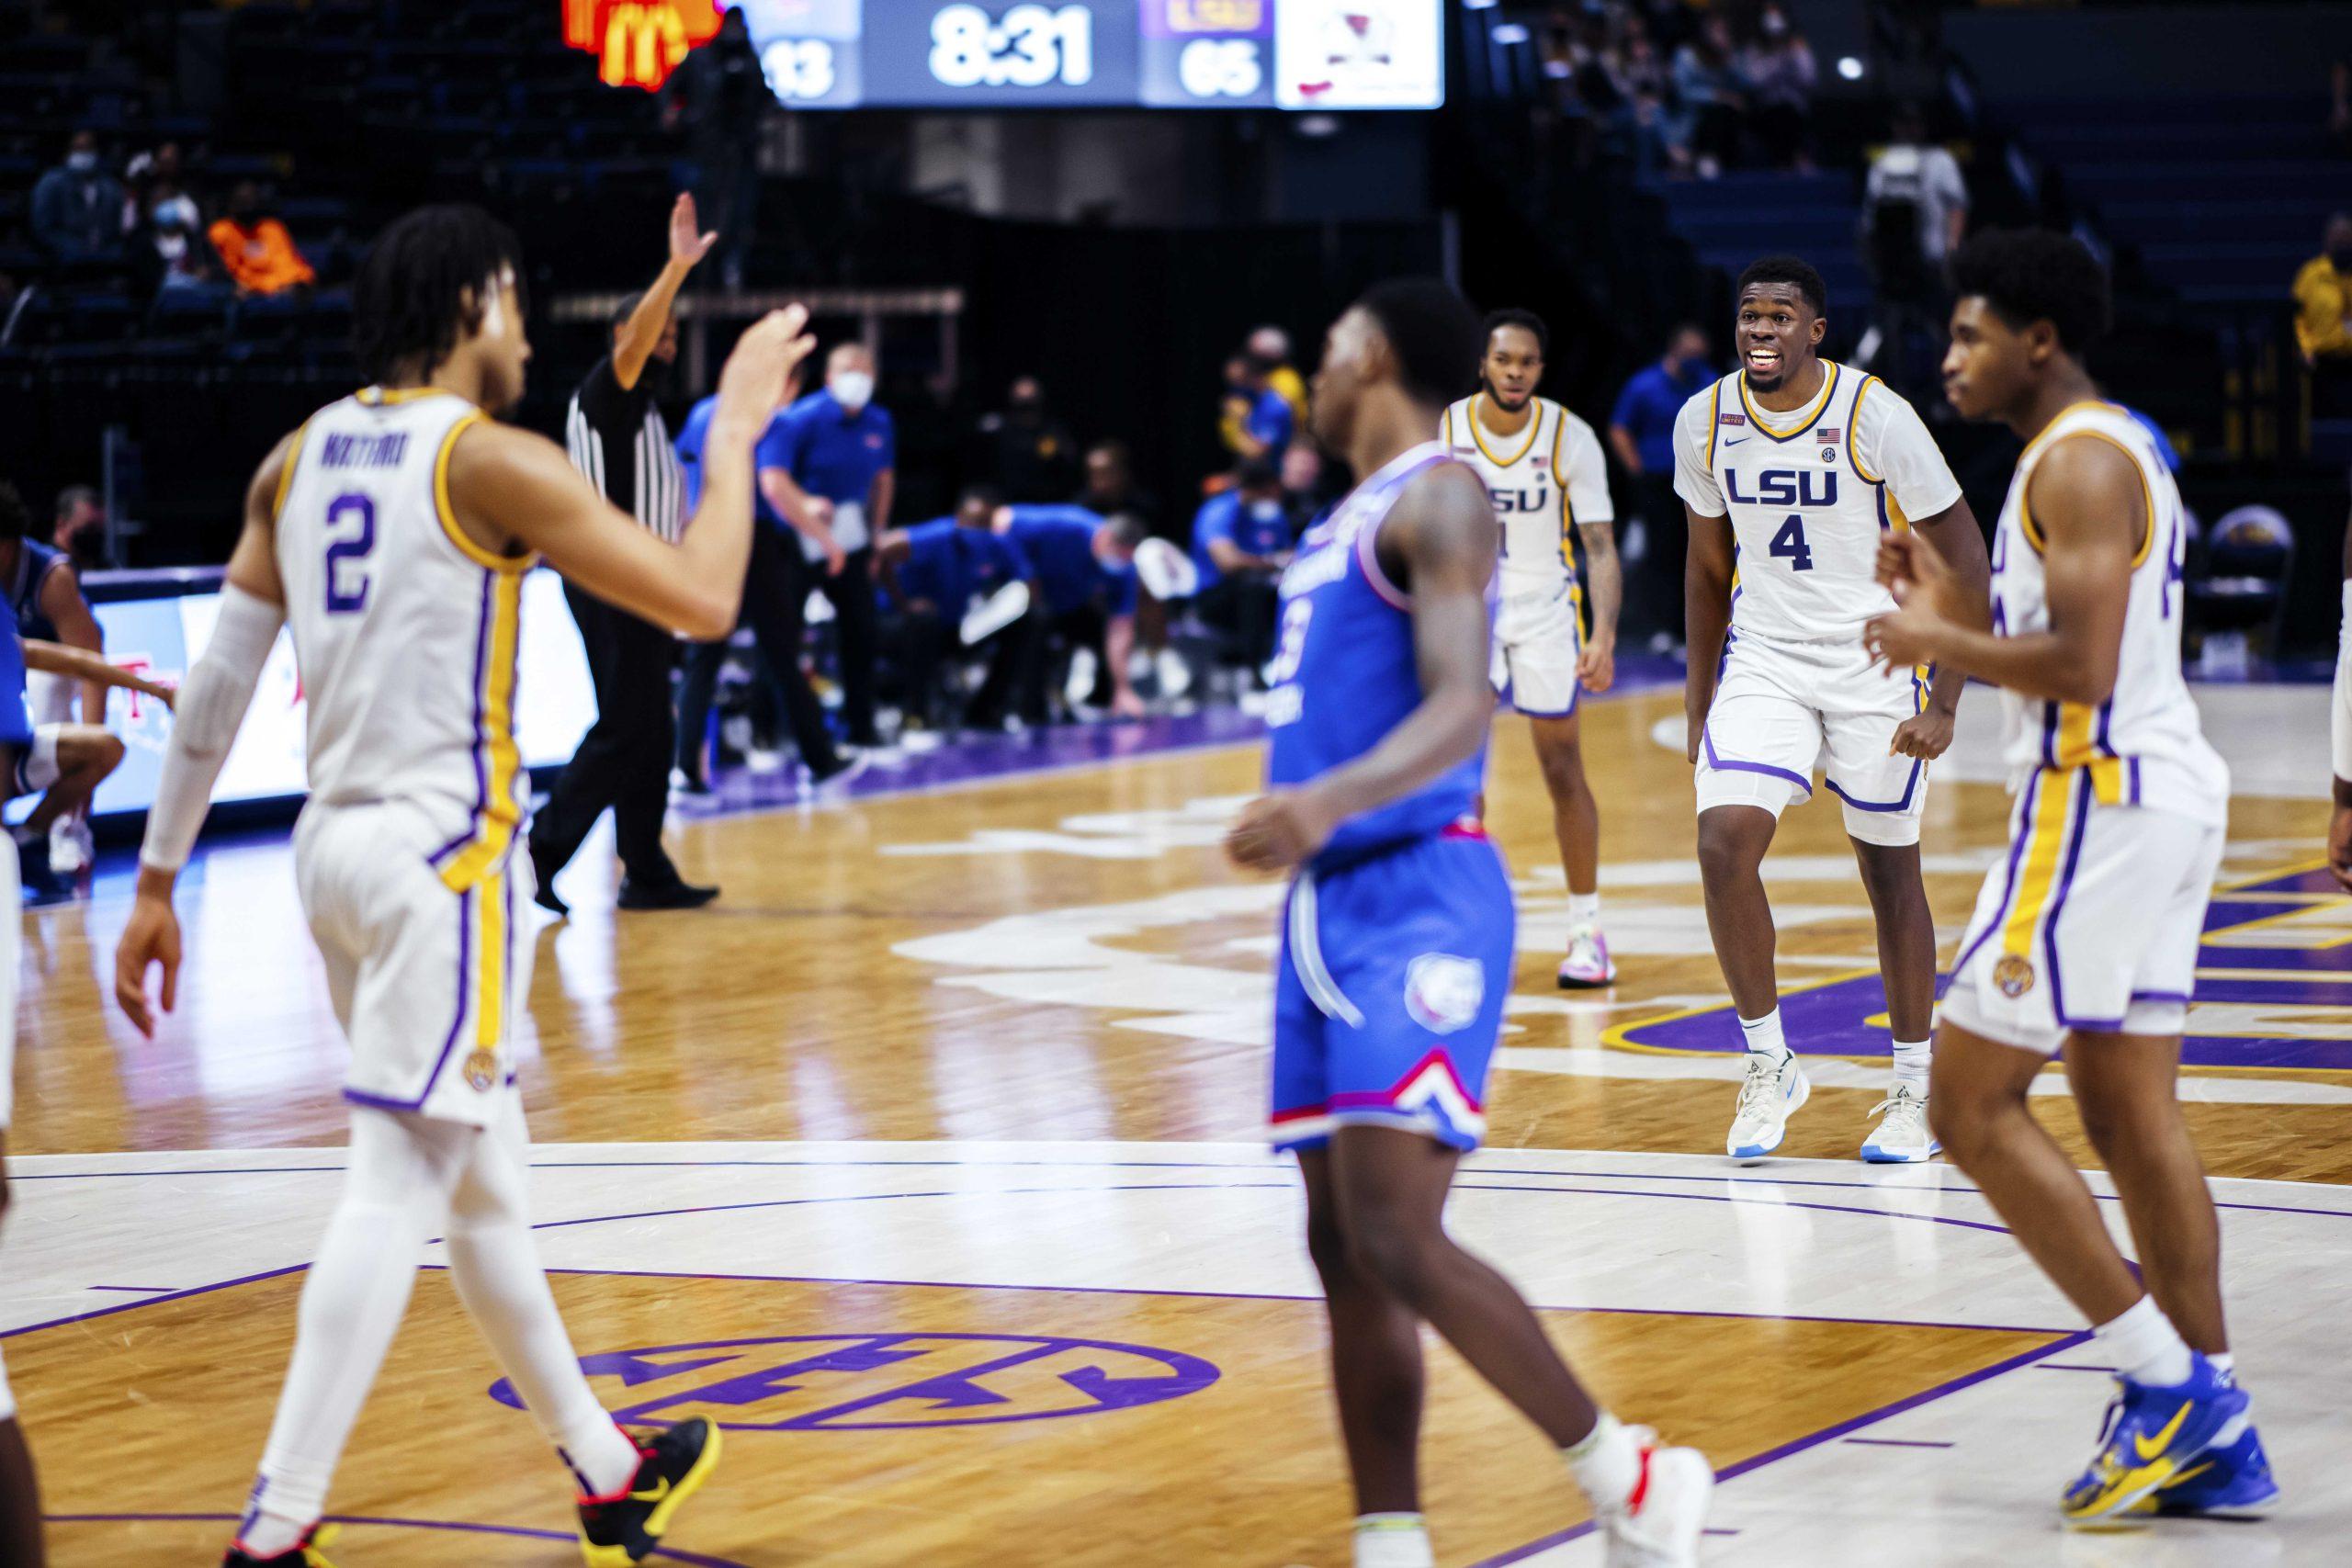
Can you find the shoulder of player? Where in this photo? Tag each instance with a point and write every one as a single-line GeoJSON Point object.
{"type": "Point", "coordinates": [1446, 492]}
{"type": "Point", "coordinates": [267, 490]}
{"type": "Point", "coordinates": [2083, 477]}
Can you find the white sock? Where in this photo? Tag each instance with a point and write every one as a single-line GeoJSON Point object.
{"type": "Point", "coordinates": [1393, 1541]}
{"type": "Point", "coordinates": [2223, 1362]}
{"type": "Point", "coordinates": [2145, 1345]}
{"type": "Point", "coordinates": [1607, 1463]}
{"type": "Point", "coordinates": [1764, 1037]}
{"type": "Point", "coordinates": [496, 1266]}
{"type": "Point", "coordinates": [1584, 909]}
{"type": "Point", "coordinates": [1911, 1060]}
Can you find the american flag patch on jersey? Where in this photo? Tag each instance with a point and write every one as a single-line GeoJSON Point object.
{"type": "Point", "coordinates": [1542, 459]}
{"type": "Point", "coordinates": [1728, 418]}
{"type": "Point", "coordinates": [1828, 434]}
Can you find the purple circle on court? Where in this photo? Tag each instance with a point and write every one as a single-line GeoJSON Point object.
{"type": "Point", "coordinates": [800, 1382]}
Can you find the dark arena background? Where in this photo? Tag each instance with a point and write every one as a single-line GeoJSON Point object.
{"type": "Point", "coordinates": [896, 1072]}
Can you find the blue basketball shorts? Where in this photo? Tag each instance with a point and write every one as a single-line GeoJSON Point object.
{"type": "Point", "coordinates": [1390, 994]}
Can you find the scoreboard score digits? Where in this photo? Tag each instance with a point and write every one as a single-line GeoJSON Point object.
{"type": "Point", "coordinates": [1293, 54]}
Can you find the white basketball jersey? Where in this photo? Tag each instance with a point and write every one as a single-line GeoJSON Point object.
{"type": "Point", "coordinates": [405, 631]}
{"type": "Point", "coordinates": [1545, 481]}
{"type": "Point", "coordinates": [2144, 745]}
{"type": "Point", "coordinates": [1809, 493]}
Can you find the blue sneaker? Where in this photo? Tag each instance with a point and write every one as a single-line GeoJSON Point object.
{"type": "Point", "coordinates": [2152, 1436]}
{"type": "Point", "coordinates": [2230, 1479]}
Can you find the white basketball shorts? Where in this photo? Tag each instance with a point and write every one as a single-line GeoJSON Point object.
{"type": "Point", "coordinates": [1539, 635]}
{"type": "Point", "coordinates": [2091, 922]}
{"type": "Point", "coordinates": [1784, 710]}
{"type": "Point", "coordinates": [428, 981]}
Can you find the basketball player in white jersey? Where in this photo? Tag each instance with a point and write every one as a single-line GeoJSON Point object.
{"type": "Point", "coordinates": [1790, 470]}
{"type": "Point", "coordinates": [1548, 481]}
{"type": "Point", "coordinates": [392, 532]}
{"type": "Point", "coordinates": [2084, 940]}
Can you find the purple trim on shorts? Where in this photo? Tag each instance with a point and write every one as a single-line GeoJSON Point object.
{"type": "Point", "coordinates": [2094, 1025]}
{"type": "Point", "coordinates": [2132, 767]}
{"type": "Point", "coordinates": [2081, 790]}
{"type": "Point", "coordinates": [1707, 748]}
{"type": "Point", "coordinates": [2009, 878]}
{"type": "Point", "coordinates": [1910, 788]}
{"type": "Point", "coordinates": [2049, 734]}
{"type": "Point", "coordinates": [482, 765]}
{"type": "Point", "coordinates": [2183, 998]}
{"type": "Point", "coordinates": [457, 1024]}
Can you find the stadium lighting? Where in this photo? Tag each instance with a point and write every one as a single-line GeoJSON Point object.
{"type": "Point", "coordinates": [1849, 68]}
{"type": "Point", "coordinates": [1509, 32]}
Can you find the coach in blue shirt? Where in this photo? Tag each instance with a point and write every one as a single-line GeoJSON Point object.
{"type": "Point", "coordinates": [828, 468]}
{"type": "Point", "coordinates": [1242, 541]}
{"type": "Point", "coordinates": [934, 571]}
{"type": "Point", "coordinates": [1640, 432]}
{"type": "Point", "coordinates": [1083, 571]}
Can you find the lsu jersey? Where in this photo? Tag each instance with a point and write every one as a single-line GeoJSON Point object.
{"type": "Point", "coordinates": [1809, 493]}
{"type": "Point", "coordinates": [1544, 483]}
{"type": "Point", "coordinates": [406, 632]}
{"type": "Point", "coordinates": [2144, 745]}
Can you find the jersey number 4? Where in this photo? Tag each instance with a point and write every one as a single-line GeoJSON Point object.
{"type": "Point", "coordinates": [347, 555]}
{"type": "Point", "coordinates": [1789, 544]}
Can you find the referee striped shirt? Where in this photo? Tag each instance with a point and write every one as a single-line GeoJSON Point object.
{"type": "Point", "coordinates": [619, 441]}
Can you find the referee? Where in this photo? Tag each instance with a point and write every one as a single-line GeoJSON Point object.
{"type": "Point", "coordinates": [618, 439]}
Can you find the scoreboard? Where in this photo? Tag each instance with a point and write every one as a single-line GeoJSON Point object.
{"type": "Point", "coordinates": [949, 54]}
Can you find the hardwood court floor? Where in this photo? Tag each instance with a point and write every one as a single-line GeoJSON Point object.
{"type": "Point", "coordinates": [1056, 971]}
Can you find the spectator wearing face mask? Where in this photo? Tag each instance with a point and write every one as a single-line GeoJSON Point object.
{"type": "Point", "coordinates": [828, 466]}
{"type": "Point", "coordinates": [77, 207]}
{"type": "Point", "coordinates": [169, 246]}
{"type": "Point", "coordinates": [255, 248]}
{"type": "Point", "coordinates": [1779, 69]}
{"type": "Point", "coordinates": [1242, 542]}
{"type": "Point", "coordinates": [1024, 450]}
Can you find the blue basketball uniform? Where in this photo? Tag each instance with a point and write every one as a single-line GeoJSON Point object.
{"type": "Point", "coordinates": [15, 719]}
{"type": "Point", "coordinates": [1398, 937]}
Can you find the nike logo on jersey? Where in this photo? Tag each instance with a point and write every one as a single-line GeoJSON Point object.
{"type": "Point", "coordinates": [1734, 440]}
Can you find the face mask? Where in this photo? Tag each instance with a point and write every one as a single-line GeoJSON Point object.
{"type": "Point", "coordinates": [852, 389]}
{"type": "Point", "coordinates": [80, 163]}
{"type": "Point", "coordinates": [1266, 510]}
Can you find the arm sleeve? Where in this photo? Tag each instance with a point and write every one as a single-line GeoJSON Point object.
{"type": "Point", "coordinates": [1583, 473]}
{"type": "Point", "coordinates": [212, 707]}
{"type": "Point", "coordinates": [1694, 481]}
{"type": "Point", "coordinates": [1893, 446]}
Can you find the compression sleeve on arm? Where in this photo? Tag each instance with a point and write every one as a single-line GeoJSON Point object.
{"type": "Point", "coordinates": [211, 707]}
{"type": "Point", "coordinates": [2339, 725]}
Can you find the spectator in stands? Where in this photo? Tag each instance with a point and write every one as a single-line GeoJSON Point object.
{"type": "Point", "coordinates": [77, 206]}
{"type": "Point", "coordinates": [1242, 542]}
{"type": "Point", "coordinates": [720, 94]}
{"type": "Point", "coordinates": [1914, 209]}
{"type": "Point", "coordinates": [1026, 452]}
{"type": "Point", "coordinates": [1708, 89]}
{"type": "Point", "coordinates": [1083, 570]}
{"type": "Point", "coordinates": [934, 572]}
{"type": "Point", "coordinates": [79, 528]}
{"type": "Point", "coordinates": [1640, 432]}
{"type": "Point", "coordinates": [169, 250]}
{"type": "Point", "coordinates": [829, 463]}
{"type": "Point", "coordinates": [1257, 422]}
{"type": "Point", "coordinates": [1779, 69]}
{"type": "Point", "coordinates": [255, 248]}
{"type": "Point", "coordinates": [1111, 485]}
{"type": "Point", "coordinates": [142, 178]}
{"type": "Point", "coordinates": [2323, 319]}
{"type": "Point", "coordinates": [1272, 345]}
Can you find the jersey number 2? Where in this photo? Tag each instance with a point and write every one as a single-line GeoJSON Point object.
{"type": "Point", "coordinates": [347, 573]}
{"type": "Point", "coordinates": [1789, 544]}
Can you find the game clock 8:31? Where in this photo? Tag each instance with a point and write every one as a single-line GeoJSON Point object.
{"type": "Point", "coordinates": [1029, 46]}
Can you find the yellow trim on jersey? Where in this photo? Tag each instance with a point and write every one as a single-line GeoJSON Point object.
{"type": "Point", "coordinates": [385, 397]}
{"type": "Point", "coordinates": [2045, 841]}
{"type": "Point", "coordinates": [1853, 428]}
{"type": "Point", "coordinates": [2033, 530]}
{"type": "Point", "coordinates": [1714, 421]}
{"type": "Point", "coordinates": [1813, 417]}
{"type": "Point", "coordinates": [502, 810]}
{"type": "Point", "coordinates": [2106, 780]}
{"type": "Point", "coordinates": [286, 474]}
{"type": "Point", "coordinates": [448, 514]}
{"type": "Point", "coordinates": [2073, 745]}
{"type": "Point", "coordinates": [490, 969]}
{"type": "Point", "coordinates": [1534, 429]}
{"type": "Point", "coordinates": [1568, 505]}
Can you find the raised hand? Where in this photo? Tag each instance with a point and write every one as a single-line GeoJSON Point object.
{"type": "Point", "coordinates": [758, 374]}
{"type": "Point", "coordinates": [687, 244]}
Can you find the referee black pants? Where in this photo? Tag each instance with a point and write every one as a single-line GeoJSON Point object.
{"type": "Point", "coordinates": [623, 763]}
{"type": "Point", "coordinates": [775, 600]}
{"type": "Point", "coordinates": [851, 593]}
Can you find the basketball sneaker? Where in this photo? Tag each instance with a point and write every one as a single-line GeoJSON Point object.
{"type": "Point", "coordinates": [2152, 1436]}
{"type": "Point", "coordinates": [622, 1528]}
{"type": "Point", "coordinates": [2230, 1480]}
{"type": "Point", "coordinates": [1660, 1524]}
{"type": "Point", "coordinates": [1768, 1095]}
{"type": "Point", "coordinates": [1903, 1137]}
{"type": "Point", "coordinates": [1587, 966]}
{"type": "Point", "coordinates": [304, 1553]}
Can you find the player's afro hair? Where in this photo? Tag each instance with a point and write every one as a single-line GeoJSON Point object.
{"type": "Point", "coordinates": [421, 286]}
{"type": "Point", "coordinates": [2036, 274]}
{"type": "Point", "coordinates": [1526, 320]}
{"type": "Point", "coordinates": [1434, 334]}
{"type": "Point", "coordinates": [1795, 271]}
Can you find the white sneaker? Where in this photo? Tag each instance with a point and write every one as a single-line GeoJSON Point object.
{"type": "Point", "coordinates": [72, 848]}
{"type": "Point", "coordinates": [1662, 1529]}
{"type": "Point", "coordinates": [1903, 1138]}
{"type": "Point", "coordinates": [1768, 1097]}
{"type": "Point", "coordinates": [1587, 966]}
{"type": "Point", "coordinates": [764, 761]}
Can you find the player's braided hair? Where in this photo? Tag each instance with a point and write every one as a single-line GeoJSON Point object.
{"type": "Point", "coordinates": [422, 287]}
{"type": "Point", "coordinates": [1434, 334]}
{"type": "Point", "coordinates": [2036, 274]}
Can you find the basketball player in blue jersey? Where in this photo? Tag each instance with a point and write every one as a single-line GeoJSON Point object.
{"type": "Point", "coordinates": [2085, 939]}
{"type": "Point", "coordinates": [1789, 469]}
{"type": "Point", "coordinates": [391, 534]}
{"type": "Point", "coordinates": [1397, 944]}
